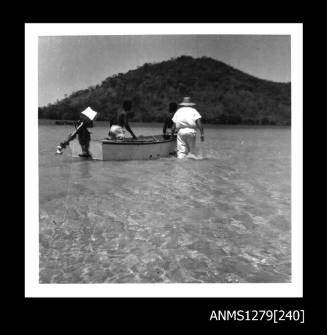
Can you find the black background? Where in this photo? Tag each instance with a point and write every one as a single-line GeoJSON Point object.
{"type": "Point", "coordinates": [113, 315]}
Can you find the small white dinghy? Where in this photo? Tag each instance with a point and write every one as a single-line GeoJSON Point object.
{"type": "Point", "coordinates": [143, 148]}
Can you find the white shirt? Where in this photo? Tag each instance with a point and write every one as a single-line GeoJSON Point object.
{"type": "Point", "coordinates": [185, 117]}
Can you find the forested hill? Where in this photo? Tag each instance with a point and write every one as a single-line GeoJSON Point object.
{"type": "Point", "coordinates": [223, 94]}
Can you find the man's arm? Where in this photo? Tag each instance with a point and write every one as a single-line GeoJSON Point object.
{"type": "Point", "coordinates": [200, 127]}
{"type": "Point", "coordinates": [128, 128]}
{"type": "Point", "coordinates": [165, 126]}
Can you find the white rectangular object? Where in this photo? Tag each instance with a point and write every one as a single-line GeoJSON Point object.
{"type": "Point", "coordinates": [90, 113]}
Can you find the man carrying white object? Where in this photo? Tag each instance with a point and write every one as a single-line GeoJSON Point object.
{"type": "Point", "coordinates": [186, 120]}
{"type": "Point", "coordinates": [84, 137]}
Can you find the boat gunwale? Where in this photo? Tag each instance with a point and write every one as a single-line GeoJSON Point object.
{"type": "Point", "coordinates": [109, 142]}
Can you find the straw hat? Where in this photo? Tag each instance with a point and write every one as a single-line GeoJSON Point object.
{"type": "Point", "coordinates": [187, 102]}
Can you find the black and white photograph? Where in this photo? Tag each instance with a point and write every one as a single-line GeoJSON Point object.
{"type": "Point", "coordinates": [163, 155]}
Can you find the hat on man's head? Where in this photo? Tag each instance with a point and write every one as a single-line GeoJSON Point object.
{"type": "Point", "coordinates": [187, 102]}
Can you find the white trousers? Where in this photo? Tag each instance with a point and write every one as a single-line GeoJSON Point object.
{"type": "Point", "coordinates": [186, 140]}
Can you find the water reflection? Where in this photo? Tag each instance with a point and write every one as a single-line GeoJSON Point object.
{"type": "Point", "coordinates": [182, 178]}
{"type": "Point", "coordinates": [222, 219]}
{"type": "Point", "coordinates": [84, 169]}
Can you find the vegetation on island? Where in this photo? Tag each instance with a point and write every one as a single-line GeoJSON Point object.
{"type": "Point", "coordinates": [223, 94]}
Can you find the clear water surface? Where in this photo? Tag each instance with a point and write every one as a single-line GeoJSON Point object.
{"type": "Point", "coordinates": [221, 219]}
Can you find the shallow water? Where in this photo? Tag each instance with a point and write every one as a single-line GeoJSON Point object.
{"type": "Point", "coordinates": [222, 218]}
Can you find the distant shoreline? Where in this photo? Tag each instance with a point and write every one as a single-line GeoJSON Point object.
{"type": "Point", "coordinates": [160, 124]}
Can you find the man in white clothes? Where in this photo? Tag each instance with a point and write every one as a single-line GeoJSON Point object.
{"type": "Point", "coordinates": [186, 120]}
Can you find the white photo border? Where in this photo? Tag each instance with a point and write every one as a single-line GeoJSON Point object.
{"type": "Point", "coordinates": [32, 286]}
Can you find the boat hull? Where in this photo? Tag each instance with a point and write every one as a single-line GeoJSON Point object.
{"type": "Point", "coordinates": [148, 147]}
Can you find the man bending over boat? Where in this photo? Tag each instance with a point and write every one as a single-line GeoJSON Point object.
{"type": "Point", "coordinates": [120, 121]}
{"type": "Point", "coordinates": [186, 120]}
{"type": "Point", "coordinates": [168, 123]}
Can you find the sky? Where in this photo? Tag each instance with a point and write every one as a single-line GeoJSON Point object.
{"type": "Point", "coordinates": [70, 63]}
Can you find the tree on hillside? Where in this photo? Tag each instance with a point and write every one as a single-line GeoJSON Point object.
{"type": "Point", "coordinates": [223, 94]}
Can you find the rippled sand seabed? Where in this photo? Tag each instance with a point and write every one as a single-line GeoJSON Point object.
{"type": "Point", "coordinates": [222, 219]}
